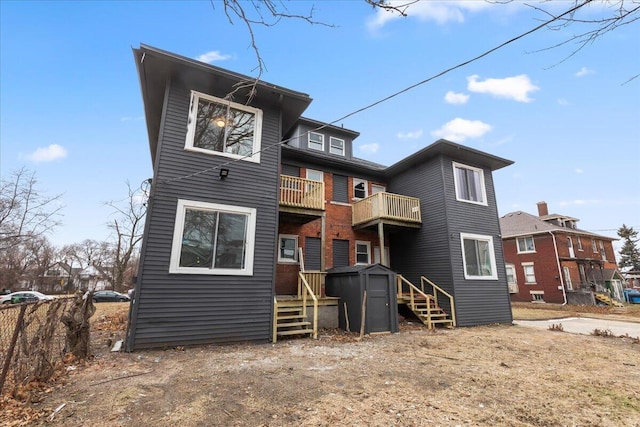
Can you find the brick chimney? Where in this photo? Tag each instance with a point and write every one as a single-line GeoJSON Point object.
{"type": "Point", "coordinates": [542, 209]}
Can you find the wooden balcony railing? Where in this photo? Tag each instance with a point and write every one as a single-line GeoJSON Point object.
{"type": "Point", "coordinates": [387, 206]}
{"type": "Point", "coordinates": [301, 193]}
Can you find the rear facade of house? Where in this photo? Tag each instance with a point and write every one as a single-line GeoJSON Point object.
{"type": "Point", "coordinates": [250, 200]}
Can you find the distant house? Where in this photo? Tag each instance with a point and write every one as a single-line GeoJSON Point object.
{"type": "Point", "coordinates": [92, 278]}
{"type": "Point", "coordinates": [549, 259]}
{"type": "Point", "coordinates": [251, 204]}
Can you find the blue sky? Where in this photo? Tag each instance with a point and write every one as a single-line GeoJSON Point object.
{"type": "Point", "coordinates": [71, 110]}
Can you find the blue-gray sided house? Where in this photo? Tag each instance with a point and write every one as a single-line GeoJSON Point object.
{"type": "Point", "coordinates": [251, 201]}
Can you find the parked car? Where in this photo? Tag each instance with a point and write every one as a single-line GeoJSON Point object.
{"type": "Point", "coordinates": [112, 296]}
{"type": "Point", "coordinates": [24, 296]}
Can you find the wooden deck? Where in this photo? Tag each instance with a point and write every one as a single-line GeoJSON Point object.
{"type": "Point", "coordinates": [391, 209]}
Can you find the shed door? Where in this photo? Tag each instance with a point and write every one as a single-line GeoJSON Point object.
{"type": "Point", "coordinates": [378, 310]}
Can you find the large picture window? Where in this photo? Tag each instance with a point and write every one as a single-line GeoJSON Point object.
{"type": "Point", "coordinates": [223, 128]}
{"type": "Point", "coordinates": [469, 183]}
{"type": "Point", "coordinates": [211, 238]}
{"type": "Point", "coordinates": [478, 257]}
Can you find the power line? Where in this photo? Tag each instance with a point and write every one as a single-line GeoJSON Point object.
{"type": "Point", "coordinates": [395, 94]}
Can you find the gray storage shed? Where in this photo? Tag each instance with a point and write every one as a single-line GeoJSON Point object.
{"type": "Point", "coordinates": [380, 307]}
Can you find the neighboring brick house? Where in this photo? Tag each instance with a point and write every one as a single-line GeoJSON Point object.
{"type": "Point", "coordinates": [549, 259]}
{"type": "Point", "coordinates": [245, 195]}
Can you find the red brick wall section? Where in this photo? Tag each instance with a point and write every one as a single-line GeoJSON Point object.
{"type": "Point", "coordinates": [337, 226]}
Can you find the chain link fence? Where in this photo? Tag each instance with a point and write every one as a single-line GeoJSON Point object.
{"type": "Point", "coordinates": [33, 341]}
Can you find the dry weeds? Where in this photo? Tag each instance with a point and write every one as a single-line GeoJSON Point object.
{"type": "Point", "coordinates": [490, 375]}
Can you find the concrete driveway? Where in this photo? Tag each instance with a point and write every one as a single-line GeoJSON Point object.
{"type": "Point", "coordinates": [586, 325]}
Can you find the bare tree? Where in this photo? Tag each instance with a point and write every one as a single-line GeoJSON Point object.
{"type": "Point", "coordinates": [24, 265]}
{"type": "Point", "coordinates": [25, 213]}
{"type": "Point", "coordinates": [127, 227]}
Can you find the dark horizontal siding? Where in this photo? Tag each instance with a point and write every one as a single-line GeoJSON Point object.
{"type": "Point", "coordinates": [186, 309]}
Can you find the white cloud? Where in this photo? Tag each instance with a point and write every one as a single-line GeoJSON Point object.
{"type": "Point", "coordinates": [212, 56]}
{"type": "Point", "coordinates": [439, 12]}
{"type": "Point", "coordinates": [456, 98]}
{"type": "Point", "coordinates": [48, 154]}
{"type": "Point", "coordinates": [410, 135]}
{"type": "Point", "coordinates": [584, 71]}
{"type": "Point", "coordinates": [369, 148]}
{"type": "Point", "coordinates": [578, 170]}
{"type": "Point", "coordinates": [517, 88]}
{"type": "Point", "coordinates": [458, 130]}
{"type": "Point", "coordinates": [563, 102]}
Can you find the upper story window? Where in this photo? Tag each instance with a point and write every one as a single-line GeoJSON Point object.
{"type": "Point", "coordinates": [469, 183]}
{"type": "Point", "coordinates": [316, 141]}
{"type": "Point", "coordinates": [593, 245]}
{"type": "Point", "coordinates": [602, 251]}
{"type": "Point", "coordinates": [315, 175]}
{"type": "Point", "coordinates": [336, 146]}
{"type": "Point", "coordinates": [223, 128]}
{"type": "Point", "coordinates": [526, 244]}
{"type": "Point", "coordinates": [211, 238]}
{"type": "Point", "coordinates": [478, 257]}
{"type": "Point", "coordinates": [579, 243]}
{"type": "Point", "coordinates": [360, 190]}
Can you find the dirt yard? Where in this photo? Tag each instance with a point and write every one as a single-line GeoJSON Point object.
{"type": "Point", "coordinates": [495, 375]}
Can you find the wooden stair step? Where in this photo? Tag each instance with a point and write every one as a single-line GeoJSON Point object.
{"type": "Point", "coordinates": [292, 324]}
{"type": "Point", "coordinates": [295, 332]}
{"type": "Point", "coordinates": [291, 317]}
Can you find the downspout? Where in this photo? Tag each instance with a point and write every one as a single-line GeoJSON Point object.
{"type": "Point", "coordinates": [555, 247]}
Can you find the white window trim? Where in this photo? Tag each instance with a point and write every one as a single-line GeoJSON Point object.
{"type": "Point", "coordinates": [295, 253]}
{"type": "Point", "coordinates": [368, 245]}
{"type": "Point", "coordinates": [508, 266]}
{"type": "Point", "coordinates": [309, 141]}
{"type": "Point", "coordinates": [176, 247]}
{"type": "Point", "coordinates": [342, 150]}
{"type": "Point", "coordinates": [525, 252]}
{"type": "Point", "coordinates": [524, 271]}
{"type": "Point", "coordinates": [482, 186]}
{"type": "Point", "coordinates": [594, 246]}
{"type": "Point", "coordinates": [357, 181]}
{"type": "Point", "coordinates": [317, 171]}
{"type": "Point", "coordinates": [191, 127]}
{"type": "Point", "coordinates": [579, 244]}
{"type": "Point", "coordinates": [489, 239]}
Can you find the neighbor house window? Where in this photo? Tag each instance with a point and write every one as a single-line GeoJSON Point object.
{"type": "Point", "coordinates": [511, 274]}
{"type": "Point", "coordinates": [525, 244]}
{"type": "Point", "coordinates": [567, 278]}
{"type": "Point", "coordinates": [316, 141]}
{"type": "Point", "coordinates": [478, 257]}
{"type": "Point", "coordinates": [579, 243]}
{"type": "Point", "coordinates": [211, 238]}
{"type": "Point", "coordinates": [593, 245]}
{"type": "Point", "coordinates": [602, 251]}
{"type": "Point", "coordinates": [469, 183]}
{"type": "Point", "coordinates": [336, 146]}
{"type": "Point", "coordinates": [529, 273]}
{"type": "Point", "coordinates": [363, 252]}
{"type": "Point", "coordinates": [359, 188]}
{"type": "Point", "coordinates": [583, 275]}
{"type": "Point", "coordinates": [288, 248]}
{"type": "Point", "coordinates": [223, 128]}
{"type": "Point", "coordinates": [537, 296]}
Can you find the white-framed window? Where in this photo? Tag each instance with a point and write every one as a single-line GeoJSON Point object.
{"type": "Point", "coordinates": [602, 251]}
{"type": "Point", "coordinates": [360, 188]}
{"type": "Point", "coordinates": [336, 146]}
{"type": "Point", "coordinates": [567, 278]}
{"type": "Point", "coordinates": [478, 257]}
{"type": "Point", "coordinates": [223, 128]}
{"type": "Point", "coordinates": [363, 252]}
{"type": "Point", "coordinates": [537, 296]}
{"type": "Point", "coordinates": [511, 274]}
{"type": "Point", "coordinates": [287, 248]}
{"type": "Point", "coordinates": [377, 188]}
{"type": "Point", "coordinates": [469, 183]}
{"type": "Point", "coordinates": [211, 238]}
{"type": "Point", "coordinates": [315, 175]}
{"type": "Point", "coordinates": [579, 243]}
{"type": "Point", "coordinates": [529, 273]}
{"type": "Point", "coordinates": [593, 246]}
{"type": "Point", "coordinates": [526, 244]}
{"type": "Point", "coordinates": [583, 274]}
{"type": "Point", "coordinates": [316, 141]}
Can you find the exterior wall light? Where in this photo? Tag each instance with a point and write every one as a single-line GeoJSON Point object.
{"type": "Point", "coordinates": [224, 172]}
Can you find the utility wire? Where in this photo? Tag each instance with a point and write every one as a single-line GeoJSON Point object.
{"type": "Point", "coordinates": [395, 94]}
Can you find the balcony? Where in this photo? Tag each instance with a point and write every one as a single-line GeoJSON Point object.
{"type": "Point", "coordinates": [387, 208]}
{"type": "Point", "coordinates": [301, 196]}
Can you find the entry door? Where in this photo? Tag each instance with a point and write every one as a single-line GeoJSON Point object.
{"type": "Point", "coordinates": [378, 311]}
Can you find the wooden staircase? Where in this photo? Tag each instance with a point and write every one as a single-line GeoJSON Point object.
{"type": "Point", "coordinates": [606, 299]}
{"type": "Point", "coordinates": [425, 305]}
{"type": "Point", "coordinates": [291, 319]}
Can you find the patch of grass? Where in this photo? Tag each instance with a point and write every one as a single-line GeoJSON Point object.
{"type": "Point", "coordinates": [603, 333]}
{"type": "Point", "coordinates": [556, 327]}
